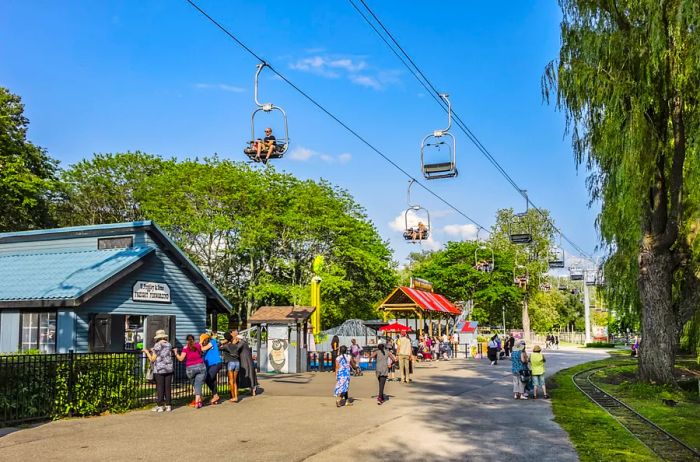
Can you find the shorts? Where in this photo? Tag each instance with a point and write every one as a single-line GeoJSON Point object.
{"type": "Point", "coordinates": [234, 366]}
{"type": "Point", "coordinates": [538, 380]}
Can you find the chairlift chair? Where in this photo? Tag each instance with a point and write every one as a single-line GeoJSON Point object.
{"type": "Point", "coordinates": [521, 276]}
{"type": "Point", "coordinates": [484, 264]}
{"type": "Point", "coordinates": [556, 258]}
{"type": "Point", "coordinates": [444, 143]}
{"type": "Point", "coordinates": [576, 273]}
{"type": "Point", "coordinates": [416, 234]}
{"type": "Point", "coordinates": [282, 144]}
{"type": "Point", "coordinates": [591, 278]}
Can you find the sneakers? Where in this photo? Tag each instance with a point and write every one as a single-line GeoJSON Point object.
{"type": "Point", "coordinates": [523, 397]}
{"type": "Point", "coordinates": [168, 408]}
{"type": "Point", "coordinates": [157, 409]}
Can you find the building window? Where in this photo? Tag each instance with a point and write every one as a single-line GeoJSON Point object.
{"type": "Point", "coordinates": [38, 331]}
{"type": "Point", "coordinates": [133, 332]}
{"type": "Point", "coordinates": [123, 242]}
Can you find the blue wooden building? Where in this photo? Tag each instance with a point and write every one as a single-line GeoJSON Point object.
{"type": "Point", "coordinates": [99, 288]}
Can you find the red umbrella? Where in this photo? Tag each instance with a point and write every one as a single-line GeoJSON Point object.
{"type": "Point", "coordinates": [394, 328]}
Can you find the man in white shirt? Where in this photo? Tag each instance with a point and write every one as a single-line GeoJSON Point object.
{"type": "Point", "coordinates": [403, 348]}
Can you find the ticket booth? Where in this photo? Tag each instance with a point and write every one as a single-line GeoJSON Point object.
{"type": "Point", "coordinates": [284, 338]}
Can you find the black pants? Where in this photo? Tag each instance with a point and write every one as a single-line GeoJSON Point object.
{"type": "Point", "coordinates": [334, 356]}
{"type": "Point", "coordinates": [382, 382]}
{"type": "Point", "coordinates": [164, 385]}
{"type": "Point", "coordinates": [210, 380]}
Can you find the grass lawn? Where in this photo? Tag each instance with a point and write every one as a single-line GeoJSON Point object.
{"type": "Point", "coordinates": [595, 434]}
{"type": "Point", "coordinates": [681, 420]}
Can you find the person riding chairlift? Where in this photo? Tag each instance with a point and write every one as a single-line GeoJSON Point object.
{"type": "Point", "coordinates": [418, 233]}
{"type": "Point", "coordinates": [521, 281]}
{"type": "Point", "coordinates": [269, 142]}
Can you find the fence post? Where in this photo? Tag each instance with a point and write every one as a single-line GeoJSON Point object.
{"type": "Point", "coordinates": [71, 381]}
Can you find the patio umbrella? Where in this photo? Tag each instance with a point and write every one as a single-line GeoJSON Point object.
{"type": "Point", "coordinates": [394, 328]}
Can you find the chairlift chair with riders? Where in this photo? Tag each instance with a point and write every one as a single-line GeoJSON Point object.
{"type": "Point", "coordinates": [519, 228]}
{"type": "Point", "coordinates": [484, 256]}
{"type": "Point", "coordinates": [591, 278]}
{"type": "Point", "coordinates": [521, 276]}
{"type": "Point", "coordinates": [438, 150]}
{"type": "Point", "coordinates": [281, 145]}
{"type": "Point", "coordinates": [421, 232]}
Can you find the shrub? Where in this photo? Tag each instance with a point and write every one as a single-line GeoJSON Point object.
{"type": "Point", "coordinates": [600, 345]}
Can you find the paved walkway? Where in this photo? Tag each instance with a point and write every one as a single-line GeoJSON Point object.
{"type": "Point", "coordinates": [453, 411]}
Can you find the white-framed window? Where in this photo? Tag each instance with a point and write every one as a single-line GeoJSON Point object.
{"type": "Point", "coordinates": [38, 330]}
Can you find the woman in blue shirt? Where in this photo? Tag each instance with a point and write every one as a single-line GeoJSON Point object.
{"type": "Point", "coordinates": [212, 361]}
{"type": "Point", "coordinates": [519, 362]}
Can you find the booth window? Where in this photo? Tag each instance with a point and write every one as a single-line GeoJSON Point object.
{"type": "Point", "coordinates": [133, 332]}
{"type": "Point", "coordinates": [38, 331]}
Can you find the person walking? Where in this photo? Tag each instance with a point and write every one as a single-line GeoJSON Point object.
{"type": "Point", "coordinates": [212, 361]}
{"type": "Point", "coordinates": [519, 361]}
{"type": "Point", "coordinates": [342, 382]}
{"type": "Point", "coordinates": [355, 352]}
{"type": "Point", "coordinates": [382, 358]}
{"type": "Point", "coordinates": [232, 358]}
{"type": "Point", "coordinates": [247, 377]}
{"type": "Point", "coordinates": [194, 367]}
{"type": "Point", "coordinates": [335, 348]}
{"type": "Point", "coordinates": [161, 358]}
{"type": "Point", "coordinates": [403, 348]}
{"type": "Point", "coordinates": [537, 361]}
{"type": "Point", "coordinates": [492, 350]}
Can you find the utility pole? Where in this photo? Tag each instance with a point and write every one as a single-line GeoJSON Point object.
{"type": "Point", "coordinates": [587, 307]}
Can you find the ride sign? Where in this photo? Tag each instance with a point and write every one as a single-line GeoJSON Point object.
{"type": "Point", "coordinates": [145, 291]}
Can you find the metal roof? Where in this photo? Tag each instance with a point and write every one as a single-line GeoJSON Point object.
{"type": "Point", "coordinates": [62, 275]}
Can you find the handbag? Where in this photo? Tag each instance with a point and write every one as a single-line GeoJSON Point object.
{"type": "Point", "coordinates": [525, 375]}
{"type": "Point", "coordinates": [149, 374]}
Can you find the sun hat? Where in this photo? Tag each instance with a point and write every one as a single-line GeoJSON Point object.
{"type": "Point", "coordinates": [521, 345]}
{"type": "Point", "coordinates": [537, 349]}
{"type": "Point", "coordinates": [204, 337]}
{"type": "Point", "coordinates": [160, 333]}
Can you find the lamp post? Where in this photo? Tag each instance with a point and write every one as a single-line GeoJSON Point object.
{"type": "Point", "coordinates": [503, 309]}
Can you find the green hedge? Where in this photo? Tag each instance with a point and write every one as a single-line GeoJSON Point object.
{"type": "Point", "coordinates": [39, 388]}
{"type": "Point", "coordinates": [600, 345]}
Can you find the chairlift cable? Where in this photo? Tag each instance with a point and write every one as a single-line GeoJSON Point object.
{"type": "Point", "coordinates": [332, 116]}
{"type": "Point", "coordinates": [425, 82]}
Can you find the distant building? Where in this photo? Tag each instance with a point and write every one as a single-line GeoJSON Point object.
{"type": "Point", "coordinates": [99, 288]}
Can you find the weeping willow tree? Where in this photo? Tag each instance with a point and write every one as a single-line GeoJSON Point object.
{"type": "Point", "coordinates": [628, 79]}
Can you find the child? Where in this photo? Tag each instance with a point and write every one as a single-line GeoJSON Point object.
{"type": "Point", "coordinates": [537, 361]}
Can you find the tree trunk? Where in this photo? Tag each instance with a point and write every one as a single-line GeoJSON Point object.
{"type": "Point", "coordinates": [657, 347]}
{"type": "Point", "coordinates": [526, 321]}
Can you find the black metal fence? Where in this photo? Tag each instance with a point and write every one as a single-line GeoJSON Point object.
{"type": "Point", "coordinates": [322, 361]}
{"type": "Point", "coordinates": [49, 386]}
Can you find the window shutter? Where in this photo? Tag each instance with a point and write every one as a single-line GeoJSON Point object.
{"type": "Point", "coordinates": [100, 332]}
{"type": "Point", "coordinates": [156, 322]}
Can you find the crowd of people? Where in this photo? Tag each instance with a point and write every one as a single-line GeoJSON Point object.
{"type": "Point", "coordinates": [203, 359]}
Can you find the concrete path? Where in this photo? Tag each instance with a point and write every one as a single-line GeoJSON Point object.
{"type": "Point", "coordinates": [454, 410]}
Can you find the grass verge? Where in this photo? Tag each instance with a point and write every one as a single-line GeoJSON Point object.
{"type": "Point", "coordinates": [675, 410]}
{"type": "Point", "coordinates": [595, 434]}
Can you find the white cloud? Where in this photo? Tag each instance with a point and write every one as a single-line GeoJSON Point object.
{"type": "Point", "coordinates": [442, 213]}
{"type": "Point", "coordinates": [464, 232]}
{"type": "Point", "coordinates": [303, 154]}
{"type": "Point", "coordinates": [220, 86]}
{"type": "Point", "coordinates": [354, 68]}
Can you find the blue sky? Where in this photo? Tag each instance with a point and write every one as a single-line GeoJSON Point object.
{"type": "Point", "coordinates": [157, 77]}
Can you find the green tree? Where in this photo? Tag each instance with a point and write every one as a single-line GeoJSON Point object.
{"type": "Point", "coordinates": [105, 188]}
{"type": "Point", "coordinates": [27, 173]}
{"type": "Point", "coordinates": [628, 77]}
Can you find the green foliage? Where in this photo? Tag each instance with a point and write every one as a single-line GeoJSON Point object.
{"type": "Point", "coordinates": [27, 173]}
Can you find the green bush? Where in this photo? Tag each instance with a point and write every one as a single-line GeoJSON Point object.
{"type": "Point", "coordinates": [40, 389]}
{"type": "Point", "coordinates": [600, 345]}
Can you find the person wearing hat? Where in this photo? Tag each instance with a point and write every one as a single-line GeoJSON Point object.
{"type": "Point", "coordinates": [519, 362]}
{"type": "Point", "coordinates": [537, 361]}
{"type": "Point", "coordinates": [162, 364]}
{"type": "Point", "coordinates": [212, 360]}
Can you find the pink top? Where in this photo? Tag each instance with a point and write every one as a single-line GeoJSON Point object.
{"type": "Point", "coordinates": [192, 358]}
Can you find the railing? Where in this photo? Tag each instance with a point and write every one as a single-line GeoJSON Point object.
{"type": "Point", "coordinates": [50, 386]}
{"type": "Point", "coordinates": [322, 361]}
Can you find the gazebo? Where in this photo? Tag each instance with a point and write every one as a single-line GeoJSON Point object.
{"type": "Point", "coordinates": [422, 305]}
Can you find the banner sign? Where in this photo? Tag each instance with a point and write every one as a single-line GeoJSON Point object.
{"type": "Point", "coordinates": [421, 284]}
{"type": "Point", "coordinates": [145, 291]}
